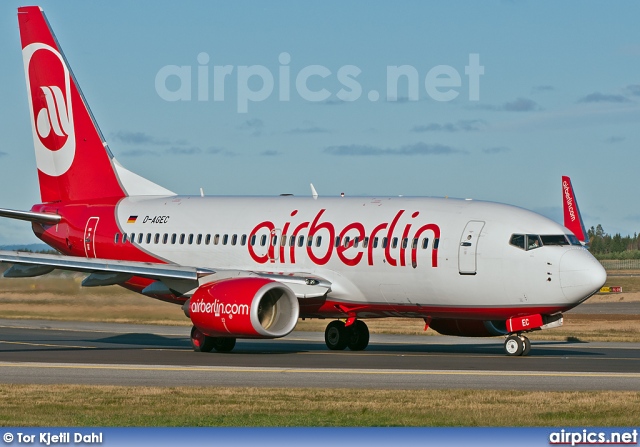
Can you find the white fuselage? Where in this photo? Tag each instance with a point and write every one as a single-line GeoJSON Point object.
{"type": "Point", "coordinates": [474, 265]}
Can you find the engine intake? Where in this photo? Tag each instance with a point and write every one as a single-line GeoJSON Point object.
{"type": "Point", "coordinates": [244, 308]}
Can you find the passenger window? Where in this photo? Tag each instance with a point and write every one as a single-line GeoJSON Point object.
{"type": "Point", "coordinates": [243, 240]}
{"type": "Point", "coordinates": [190, 239]}
{"type": "Point", "coordinates": [132, 238]}
{"type": "Point", "coordinates": [140, 236]}
{"type": "Point", "coordinates": [533, 241]}
{"type": "Point", "coordinates": [309, 241]}
{"type": "Point", "coordinates": [375, 242]}
{"type": "Point", "coordinates": [148, 238]}
{"type": "Point", "coordinates": [365, 242]}
{"type": "Point", "coordinates": [157, 238]}
{"type": "Point", "coordinates": [117, 238]}
{"type": "Point", "coordinates": [216, 239]}
{"type": "Point", "coordinates": [384, 242]}
{"type": "Point", "coordinates": [199, 239]}
{"type": "Point", "coordinates": [234, 239]}
{"type": "Point", "coordinates": [124, 238]}
{"type": "Point", "coordinates": [337, 241]}
{"type": "Point", "coordinates": [355, 241]}
{"type": "Point", "coordinates": [182, 239]}
{"type": "Point", "coordinates": [274, 240]}
{"type": "Point", "coordinates": [292, 241]}
{"type": "Point", "coordinates": [207, 239]}
{"type": "Point", "coordinates": [225, 239]}
{"type": "Point", "coordinates": [425, 243]}
{"type": "Point", "coordinates": [318, 241]}
{"type": "Point", "coordinates": [174, 237]}
{"type": "Point", "coordinates": [263, 240]}
{"type": "Point", "coordinates": [346, 241]}
{"type": "Point", "coordinates": [165, 238]}
{"type": "Point", "coordinates": [436, 243]}
{"type": "Point", "coordinates": [253, 240]}
{"type": "Point", "coordinates": [405, 242]}
{"type": "Point", "coordinates": [414, 243]}
{"type": "Point", "coordinates": [394, 242]}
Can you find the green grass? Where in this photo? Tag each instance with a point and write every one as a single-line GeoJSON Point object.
{"type": "Point", "coordinates": [76, 405]}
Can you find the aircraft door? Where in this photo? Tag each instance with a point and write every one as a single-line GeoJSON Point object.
{"type": "Point", "coordinates": [467, 252]}
{"type": "Point", "coordinates": [90, 237]}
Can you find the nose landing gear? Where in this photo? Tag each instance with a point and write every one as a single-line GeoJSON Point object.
{"type": "Point", "coordinates": [517, 344]}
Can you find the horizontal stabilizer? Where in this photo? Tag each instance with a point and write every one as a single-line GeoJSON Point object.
{"type": "Point", "coordinates": [31, 216]}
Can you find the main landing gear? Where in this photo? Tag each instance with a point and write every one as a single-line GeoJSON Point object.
{"type": "Point", "coordinates": [204, 343]}
{"type": "Point", "coordinates": [338, 336]}
{"type": "Point", "coordinates": [517, 344]}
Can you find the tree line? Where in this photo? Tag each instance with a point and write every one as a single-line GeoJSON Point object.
{"type": "Point", "coordinates": [605, 246]}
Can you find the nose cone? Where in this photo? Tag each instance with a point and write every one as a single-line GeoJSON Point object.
{"type": "Point", "coordinates": [581, 275]}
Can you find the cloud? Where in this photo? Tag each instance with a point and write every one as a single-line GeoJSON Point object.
{"type": "Point", "coordinates": [175, 150]}
{"type": "Point", "coordinates": [255, 126]}
{"type": "Point", "coordinates": [408, 149]}
{"type": "Point", "coordinates": [601, 97]}
{"type": "Point", "coordinates": [139, 153]}
{"type": "Point", "coordinates": [615, 139]}
{"type": "Point", "coordinates": [521, 105]}
{"type": "Point", "coordinates": [518, 105]}
{"type": "Point", "coordinates": [332, 102]}
{"type": "Point", "coordinates": [141, 138]}
{"type": "Point", "coordinates": [215, 150]}
{"type": "Point", "coordinates": [2, 154]}
{"type": "Point", "coordinates": [542, 88]}
{"type": "Point", "coordinates": [462, 125]}
{"type": "Point", "coordinates": [307, 130]}
{"type": "Point", "coordinates": [633, 89]}
{"type": "Point", "coordinates": [269, 153]}
{"type": "Point", "coordinates": [496, 150]}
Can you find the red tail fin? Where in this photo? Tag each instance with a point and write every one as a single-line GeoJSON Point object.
{"type": "Point", "coordinates": [572, 217]}
{"type": "Point", "coordinates": [73, 160]}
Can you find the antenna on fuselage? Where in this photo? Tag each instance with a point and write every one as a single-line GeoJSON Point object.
{"type": "Point", "coordinates": [314, 193]}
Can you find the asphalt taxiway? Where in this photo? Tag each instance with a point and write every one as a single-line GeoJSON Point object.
{"type": "Point", "coordinates": [49, 352]}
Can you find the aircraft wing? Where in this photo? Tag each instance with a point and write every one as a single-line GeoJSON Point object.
{"type": "Point", "coordinates": [173, 277]}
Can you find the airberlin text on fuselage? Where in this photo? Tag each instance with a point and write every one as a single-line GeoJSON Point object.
{"type": "Point", "coordinates": [349, 254]}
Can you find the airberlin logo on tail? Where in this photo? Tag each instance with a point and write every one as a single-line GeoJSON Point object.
{"type": "Point", "coordinates": [569, 200]}
{"type": "Point", "coordinates": [49, 88]}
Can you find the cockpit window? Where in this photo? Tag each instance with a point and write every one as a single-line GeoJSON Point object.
{"type": "Point", "coordinates": [573, 239]}
{"type": "Point", "coordinates": [554, 239]}
{"type": "Point", "coordinates": [517, 240]}
{"type": "Point", "coordinates": [533, 241]}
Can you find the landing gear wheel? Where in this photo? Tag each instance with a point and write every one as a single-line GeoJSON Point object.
{"type": "Point", "coordinates": [200, 341]}
{"type": "Point", "coordinates": [527, 346]}
{"type": "Point", "coordinates": [336, 336]}
{"type": "Point", "coordinates": [513, 345]}
{"type": "Point", "coordinates": [224, 344]}
{"type": "Point", "coordinates": [358, 336]}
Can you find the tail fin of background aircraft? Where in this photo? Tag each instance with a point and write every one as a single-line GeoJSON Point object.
{"type": "Point", "coordinates": [73, 159]}
{"type": "Point", "coordinates": [572, 217]}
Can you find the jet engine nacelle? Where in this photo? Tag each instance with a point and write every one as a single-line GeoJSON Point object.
{"type": "Point", "coordinates": [244, 308]}
{"type": "Point", "coordinates": [468, 328]}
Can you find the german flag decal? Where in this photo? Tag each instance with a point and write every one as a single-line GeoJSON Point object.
{"type": "Point", "coordinates": [132, 219]}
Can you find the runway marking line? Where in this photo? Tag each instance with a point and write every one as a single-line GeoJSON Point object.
{"type": "Point", "coordinates": [45, 345]}
{"type": "Point", "coordinates": [325, 371]}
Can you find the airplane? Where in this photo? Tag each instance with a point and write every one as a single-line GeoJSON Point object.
{"type": "Point", "coordinates": [250, 267]}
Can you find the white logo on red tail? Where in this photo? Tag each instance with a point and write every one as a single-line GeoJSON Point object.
{"type": "Point", "coordinates": [49, 90]}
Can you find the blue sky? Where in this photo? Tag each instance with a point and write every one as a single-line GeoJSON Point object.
{"type": "Point", "coordinates": [560, 95]}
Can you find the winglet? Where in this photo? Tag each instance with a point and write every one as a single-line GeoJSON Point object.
{"type": "Point", "coordinates": [572, 217]}
{"type": "Point", "coordinates": [314, 193]}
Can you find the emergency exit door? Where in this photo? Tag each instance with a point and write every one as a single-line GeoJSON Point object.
{"type": "Point", "coordinates": [468, 250]}
{"type": "Point", "coordinates": [90, 237]}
